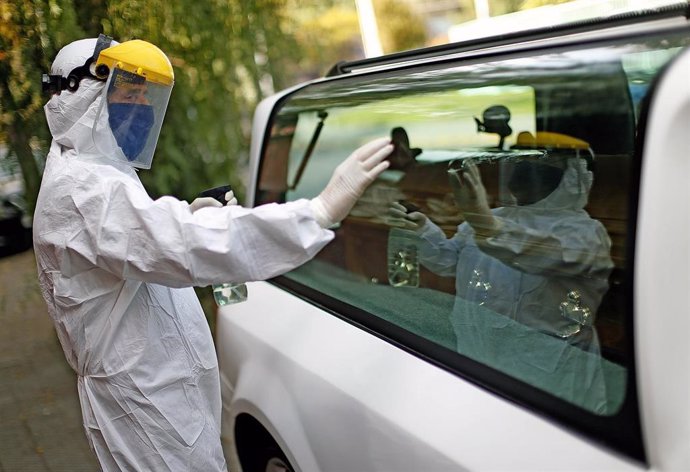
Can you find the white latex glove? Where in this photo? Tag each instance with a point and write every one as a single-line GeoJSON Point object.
{"type": "Point", "coordinates": [230, 198]}
{"type": "Point", "coordinates": [398, 216]}
{"type": "Point", "coordinates": [470, 196]}
{"type": "Point", "coordinates": [203, 202]}
{"type": "Point", "coordinates": [349, 180]}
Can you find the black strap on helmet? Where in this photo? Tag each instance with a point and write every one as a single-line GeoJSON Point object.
{"type": "Point", "coordinates": [55, 83]}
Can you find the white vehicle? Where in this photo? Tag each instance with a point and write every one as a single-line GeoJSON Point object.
{"type": "Point", "coordinates": [568, 353]}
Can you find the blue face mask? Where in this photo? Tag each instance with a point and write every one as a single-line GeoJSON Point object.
{"type": "Point", "coordinates": [130, 124]}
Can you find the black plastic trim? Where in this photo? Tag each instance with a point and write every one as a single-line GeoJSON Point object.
{"type": "Point", "coordinates": [584, 26]}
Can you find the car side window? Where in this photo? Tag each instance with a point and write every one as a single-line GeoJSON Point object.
{"type": "Point", "coordinates": [501, 231]}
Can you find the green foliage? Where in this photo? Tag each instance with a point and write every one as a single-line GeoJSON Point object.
{"type": "Point", "coordinates": [527, 4]}
{"type": "Point", "coordinates": [501, 7]}
{"type": "Point", "coordinates": [327, 37]}
{"type": "Point", "coordinates": [31, 32]}
{"type": "Point", "coordinates": [227, 55]}
{"type": "Point", "coordinates": [88, 16]}
{"type": "Point", "coordinates": [399, 29]}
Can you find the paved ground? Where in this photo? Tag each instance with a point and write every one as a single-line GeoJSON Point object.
{"type": "Point", "coordinates": [40, 420]}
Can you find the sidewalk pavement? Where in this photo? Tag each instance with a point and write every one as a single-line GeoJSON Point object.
{"type": "Point", "coordinates": [41, 428]}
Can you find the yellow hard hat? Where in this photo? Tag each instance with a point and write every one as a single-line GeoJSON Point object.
{"type": "Point", "coordinates": [138, 57]}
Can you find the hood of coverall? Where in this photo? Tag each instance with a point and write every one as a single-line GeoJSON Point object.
{"type": "Point", "coordinates": [571, 193]}
{"type": "Point", "coordinates": [71, 115]}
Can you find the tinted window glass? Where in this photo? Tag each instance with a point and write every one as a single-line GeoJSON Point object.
{"type": "Point", "coordinates": [500, 231]}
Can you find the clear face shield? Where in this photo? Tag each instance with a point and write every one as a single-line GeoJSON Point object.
{"type": "Point", "coordinates": [130, 117]}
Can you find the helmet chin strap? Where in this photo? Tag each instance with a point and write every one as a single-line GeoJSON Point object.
{"type": "Point", "coordinates": [56, 83]}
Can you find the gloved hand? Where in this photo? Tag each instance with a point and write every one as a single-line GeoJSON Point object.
{"type": "Point", "coordinates": [399, 217]}
{"type": "Point", "coordinates": [349, 180]}
{"type": "Point", "coordinates": [470, 196]}
{"type": "Point", "coordinates": [202, 202]}
{"type": "Point", "coordinates": [230, 198]}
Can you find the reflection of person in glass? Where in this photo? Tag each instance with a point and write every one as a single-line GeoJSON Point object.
{"type": "Point", "coordinates": [537, 264]}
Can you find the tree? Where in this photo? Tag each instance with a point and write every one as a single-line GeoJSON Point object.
{"type": "Point", "coordinates": [501, 7]}
{"type": "Point", "coordinates": [31, 31]}
{"type": "Point", "coordinates": [226, 54]}
{"type": "Point", "coordinates": [326, 37]}
{"type": "Point", "coordinates": [527, 4]}
{"type": "Point", "coordinates": [400, 30]}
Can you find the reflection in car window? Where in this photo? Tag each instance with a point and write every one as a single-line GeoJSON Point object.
{"type": "Point", "coordinates": [500, 231]}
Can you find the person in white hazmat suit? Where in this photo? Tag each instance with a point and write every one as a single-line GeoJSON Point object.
{"type": "Point", "coordinates": [116, 268]}
{"type": "Point", "coordinates": [529, 275]}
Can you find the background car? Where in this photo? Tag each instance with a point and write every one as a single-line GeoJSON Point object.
{"type": "Point", "coordinates": [15, 223]}
{"type": "Point", "coordinates": [367, 359]}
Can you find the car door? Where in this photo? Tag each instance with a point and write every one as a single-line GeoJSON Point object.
{"type": "Point", "coordinates": [557, 343]}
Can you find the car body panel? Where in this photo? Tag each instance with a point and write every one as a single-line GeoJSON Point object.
{"type": "Point", "coordinates": [662, 321]}
{"type": "Point", "coordinates": [392, 411]}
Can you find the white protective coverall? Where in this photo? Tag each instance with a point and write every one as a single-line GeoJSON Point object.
{"type": "Point", "coordinates": [509, 288]}
{"type": "Point", "coordinates": [116, 269]}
